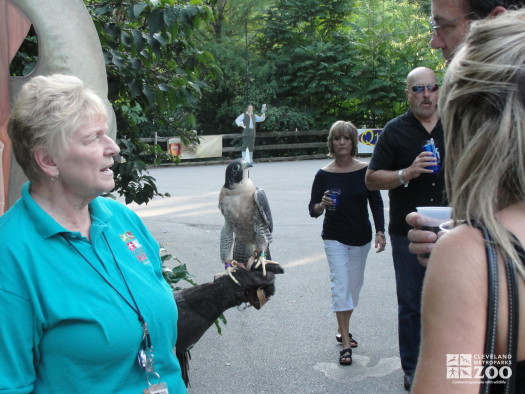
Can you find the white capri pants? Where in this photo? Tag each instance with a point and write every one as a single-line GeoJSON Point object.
{"type": "Point", "coordinates": [347, 273]}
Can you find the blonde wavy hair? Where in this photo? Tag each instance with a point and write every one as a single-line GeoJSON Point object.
{"type": "Point", "coordinates": [345, 129]}
{"type": "Point", "coordinates": [482, 104]}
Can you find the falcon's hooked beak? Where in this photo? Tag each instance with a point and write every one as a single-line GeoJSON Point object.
{"type": "Point", "coordinates": [235, 172]}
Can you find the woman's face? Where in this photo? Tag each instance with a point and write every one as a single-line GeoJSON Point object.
{"type": "Point", "coordinates": [85, 170]}
{"type": "Point", "coordinates": [342, 144]}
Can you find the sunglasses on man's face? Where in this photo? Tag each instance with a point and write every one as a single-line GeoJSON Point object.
{"type": "Point", "coordinates": [430, 87]}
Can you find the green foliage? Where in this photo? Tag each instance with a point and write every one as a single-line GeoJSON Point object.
{"type": "Point", "coordinates": [390, 38]}
{"type": "Point", "coordinates": [132, 179]}
{"type": "Point", "coordinates": [174, 275]}
{"type": "Point", "coordinates": [309, 55]}
{"type": "Point", "coordinates": [292, 21]}
{"type": "Point", "coordinates": [283, 118]}
{"type": "Point", "coordinates": [177, 66]}
{"type": "Point", "coordinates": [316, 70]}
{"type": "Point", "coordinates": [326, 60]}
{"type": "Point", "coordinates": [155, 78]}
{"type": "Point", "coordinates": [25, 60]}
{"type": "Point", "coordinates": [150, 56]}
{"type": "Point", "coordinates": [230, 38]}
{"type": "Point", "coordinates": [131, 176]}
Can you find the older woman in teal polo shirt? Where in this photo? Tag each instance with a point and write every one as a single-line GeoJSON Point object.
{"type": "Point", "coordinates": [83, 302]}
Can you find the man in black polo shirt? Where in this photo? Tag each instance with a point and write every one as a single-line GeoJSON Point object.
{"type": "Point", "coordinates": [450, 23]}
{"type": "Point", "coordinates": [399, 165]}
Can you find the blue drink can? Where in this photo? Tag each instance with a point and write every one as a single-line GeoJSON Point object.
{"type": "Point", "coordinates": [431, 147]}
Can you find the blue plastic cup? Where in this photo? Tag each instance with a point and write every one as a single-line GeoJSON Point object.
{"type": "Point", "coordinates": [334, 195]}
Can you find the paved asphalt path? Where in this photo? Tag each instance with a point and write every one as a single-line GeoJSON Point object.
{"type": "Point", "coordinates": [289, 345]}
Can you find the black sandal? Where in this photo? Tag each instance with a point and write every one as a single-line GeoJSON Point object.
{"type": "Point", "coordinates": [340, 340]}
{"type": "Point", "coordinates": [345, 356]}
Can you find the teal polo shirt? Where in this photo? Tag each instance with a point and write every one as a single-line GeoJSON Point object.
{"type": "Point", "coordinates": [63, 329]}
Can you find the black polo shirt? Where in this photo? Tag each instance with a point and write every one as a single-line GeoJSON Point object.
{"type": "Point", "coordinates": [398, 145]}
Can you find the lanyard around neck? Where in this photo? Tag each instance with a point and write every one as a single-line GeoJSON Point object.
{"type": "Point", "coordinates": [145, 356]}
{"type": "Point", "coordinates": [135, 306]}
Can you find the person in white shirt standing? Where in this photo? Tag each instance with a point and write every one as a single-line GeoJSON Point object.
{"type": "Point", "coordinates": [248, 121]}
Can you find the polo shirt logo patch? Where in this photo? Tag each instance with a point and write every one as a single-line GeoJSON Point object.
{"type": "Point", "coordinates": [135, 247]}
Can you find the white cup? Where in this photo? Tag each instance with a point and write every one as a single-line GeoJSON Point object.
{"type": "Point", "coordinates": [434, 216]}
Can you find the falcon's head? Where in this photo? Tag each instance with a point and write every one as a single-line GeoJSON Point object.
{"type": "Point", "coordinates": [236, 171]}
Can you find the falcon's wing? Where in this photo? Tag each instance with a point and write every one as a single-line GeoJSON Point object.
{"type": "Point", "coordinates": [226, 244]}
{"type": "Point", "coordinates": [261, 201]}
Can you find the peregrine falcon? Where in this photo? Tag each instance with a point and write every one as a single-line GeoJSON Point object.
{"type": "Point", "coordinates": [247, 231]}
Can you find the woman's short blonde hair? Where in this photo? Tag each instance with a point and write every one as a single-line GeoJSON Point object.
{"type": "Point", "coordinates": [345, 129]}
{"type": "Point", "coordinates": [46, 112]}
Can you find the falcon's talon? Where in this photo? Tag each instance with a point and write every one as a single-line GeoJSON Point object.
{"type": "Point", "coordinates": [230, 268]}
{"type": "Point", "coordinates": [261, 260]}
{"type": "Point", "coordinates": [229, 271]}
